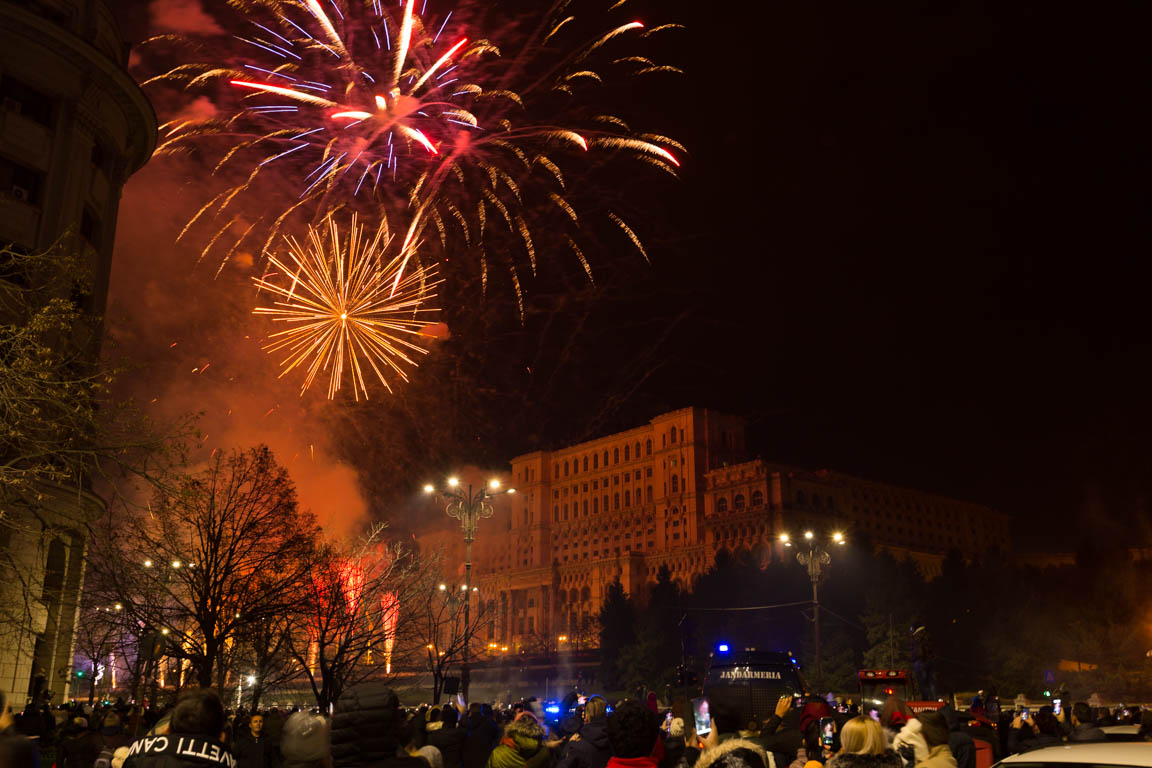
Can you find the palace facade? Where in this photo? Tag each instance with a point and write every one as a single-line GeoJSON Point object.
{"type": "Point", "coordinates": [674, 492]}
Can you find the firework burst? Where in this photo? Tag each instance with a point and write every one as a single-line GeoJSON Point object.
{"type": "Point", "coordinates": [389, 106]}
{"type": "Point", "coordinates": [344, 308]}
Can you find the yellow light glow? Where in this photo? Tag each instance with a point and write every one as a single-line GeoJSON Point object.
{"type": "Point", "coordinates": [808, 535]}
{"type": "Point", "coordinates": [429, 488]}
{"type": "Point", "coordinates": [494, 484]}
{"type": "Point", "coordinates": [453, 482]}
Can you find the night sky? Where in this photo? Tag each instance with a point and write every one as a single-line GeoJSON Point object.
{"type": "Point", "coordinates": [910, 243]}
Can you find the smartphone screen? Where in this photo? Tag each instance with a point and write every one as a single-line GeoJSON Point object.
{"type": "Point", "coordinates": [797, 702]}
{"type": "Point", "coordinates": [874, 714]}
{"type": "Point", "coordinates": [827, 731]}
{"type": "Point", "coordinates": [702, 716]}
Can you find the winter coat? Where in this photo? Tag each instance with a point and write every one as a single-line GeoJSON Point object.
{"type": "Point", "coordinates": [853, 760]}
{"type": "Point", "coordinates": [18, 749]}
{"type": "Point", "coordinates": [178, 751]}
{"type": "Point", "coordinates": [1087, 732]}
{"type": "Point", "coordinates": [79, 749]}
{"type": "Point", "coordinates": [710, 756]}
{"type": "Point", "coordinates": [482, 737]}
{"type": "Point", "coordinates": [366, 730]}
{"type": "Point", "coordinates": [782, 737]}
{"type": "Point", "coordinates": [938, 757]}
{"type": "Point", "coordinates": [521, 747]}
{"type": "Point", "coordinates": [592, 750]}
{"type": "Point", "coordinates": [910, 736]}
{"type": "Point", "coordinates": [450, 742]}
{"type": "Point", "coordinates": [253, 752]}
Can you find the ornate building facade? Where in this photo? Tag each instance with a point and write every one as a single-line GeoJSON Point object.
{"type": "Point", "coordinates": [674, 492]}
{"type": "Point", "coordinates": [73, 127]}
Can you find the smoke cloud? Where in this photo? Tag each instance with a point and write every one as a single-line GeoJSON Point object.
{"type": "Point", "coordinates": [181, 17]}
{"type": "Point", "coordinates": [195, 347]}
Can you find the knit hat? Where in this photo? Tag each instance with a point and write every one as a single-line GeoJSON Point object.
{"type": "Point", "coordinates": [304, 738]}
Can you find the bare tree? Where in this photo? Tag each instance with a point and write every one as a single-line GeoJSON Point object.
{"type": "Point", "coordinates": [265, 648]}
{"type": "Point", "coordinates": [348, 621]}
{"type": "Point", "coordinates": [98, 638]}
{"type": "Point", "coordinates": [226, 550]}
{"type": "Point", "coordinates": [439, 629]}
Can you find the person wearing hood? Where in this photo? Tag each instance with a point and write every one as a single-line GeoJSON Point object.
{"type": "Point", "coordinates": [192, 738]}
{"type": "Point", "coordinates": [735, 753]}
{"type": "Point", "coordinates": [934, 729]}
{"type": "Point", "coordinates": [589, 747]}
{"type": "Point", "coordinates": [910, 743]}
{"type": "Point", "coordinates": [864, 745]}
{"type": "Point", "coordinates": [960, 743]}
{"type": "Point", "coordinates": [79, 745]}
{"type": "Point", "coordinates": [304, 741]}
{"type": "Point", "coordinates": [482, 736]}
{"type": "Point", "coordinates": [366, 729]}
{"type": "Point", "coordinates": [522, 745]}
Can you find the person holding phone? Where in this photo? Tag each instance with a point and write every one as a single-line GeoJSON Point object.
{"type": "Point", "coordinates": [589, 748]}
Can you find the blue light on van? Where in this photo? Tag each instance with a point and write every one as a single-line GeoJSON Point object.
{"type": "Point", "coordinates": [722, 648]}
{"type": "Point", "coordinates": [553, 710]}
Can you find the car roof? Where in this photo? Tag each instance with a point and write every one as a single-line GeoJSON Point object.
{"type": "Point", "coordinates": [1106, 753]}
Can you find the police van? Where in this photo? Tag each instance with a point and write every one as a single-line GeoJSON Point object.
{"type": "Point", "coordinates": [748, 683]}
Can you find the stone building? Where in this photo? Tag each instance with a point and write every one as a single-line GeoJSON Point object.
{"type": "Point", "coordinates": [674, 492]}
{"type": "Point", "coordinates": [73, 127]}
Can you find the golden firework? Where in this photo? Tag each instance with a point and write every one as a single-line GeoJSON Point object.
{"type": "Point", "coordinates": [343, 307]}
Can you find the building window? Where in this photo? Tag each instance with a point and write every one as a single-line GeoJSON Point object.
{"type": "Point", "coordinates": [721, 505]}
{"type": "Point", "coordinates": [565, 469]}
{"type": "Point", "coordinates": [648, 494]}
{"type": "Point", "coordinates": [26, 100]}
{"type": "Point", "coordinates": [555, 471]}
{"type": "Point", "coordinates": [585, 508]}
{"type": "Point", "coordinates": [675, 483]}
{"type": "Point", "coordinates": [556, 514]}
{"type": "Point", "coordinates": [757, 498]}
{"type": "Point", "coordinates": [615, 455]}
{"type": "Point", "coordinates": [672, 434]}
{"type": "Point", "coordinates": [585, 463]}
{"type": "Point", "coordinates": [595, 506]}
{"type": "Point", "coordinates": [627, 498]}
{"type": "Point", "coordinates": [648, 447]}
{"type": "Point", "coordinates": [625, 453]}
{"type": "Point", "coordinates": [19, 182]}
{"type": "Point", "coordinates": [595, 461]}
{"type": "Point", "coordinates": [616, 501]}
{"type": "Point", "coordinates": [738, 501]}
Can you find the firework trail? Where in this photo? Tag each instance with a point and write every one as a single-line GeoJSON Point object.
{"type": "Point", "coordinates": [344, 309]}
{"type": "Point", "coordinates": [388, 106]}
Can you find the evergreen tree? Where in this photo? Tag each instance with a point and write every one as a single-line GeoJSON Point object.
{"type": "Point", "coordinates": [617, 634]}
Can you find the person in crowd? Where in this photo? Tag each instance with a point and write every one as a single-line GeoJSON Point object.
{"type": "Point", "coordinates": [1028, 733]}
{"type": "Point", "coordinates": [1083, 729]}
{"type": "Point", "coordinates": [589, 747]}
{"type": "Point", "coordinates": [633, 733]}
{"type": "Point", "coordinates": [16, 749]}
{"type": "Point", "coordinates": [449, 739]}
{"type": "Point", "coordinates": [894, 715]}
{"type": "Point", "coordinates": [252, 748]}
{"type": "Point", "coordinates": [522, 745]}
{"type": "Point", "coordinates": [304, 742]}
{"type": "Point", "coordinates": [864, 745]}
{"type": "Point", "coordinates": [934, 728]}
{"type": "Point", "coordinates": [192, 737]}
{"type": "Point", "coordinates": [811, 754]}
{"type": "Point", "coordinates": [366, 729]}
{"type": "Point", "coordinates": [482, 736]}
{"type": "Point", "coordinates": [961, 743]}
{"type": "Point", "coordinates": [781, 732]}
{"type": "Point", "coordinates": [80, 745]}
{"type": "Point", "coordinates": [910, 743]}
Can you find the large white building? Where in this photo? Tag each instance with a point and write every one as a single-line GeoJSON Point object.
{"type": "Point", "coordinates": [73, 127]}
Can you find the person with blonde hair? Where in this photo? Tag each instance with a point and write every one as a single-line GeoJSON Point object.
{"type": "Point", "coordinates": [863, 744]}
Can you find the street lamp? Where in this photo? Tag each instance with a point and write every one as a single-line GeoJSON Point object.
{"type": "Point", "coordinates": [469, 507]}
{"type": "Point", "coordinates": [814, 557]}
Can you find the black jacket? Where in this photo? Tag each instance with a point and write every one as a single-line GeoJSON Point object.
{"type": "Point", "coordinates": [79, 749]}
{"type": "Point", "coordinates": [480, 741]}
{"type": "Point", "coordinates": [450, 742]}
{"type": "Point", "coordinates": [1087, 732]}
{"type": "Point", "coordinates": [782, 737]}
{"type": "Point", "coordinates": [366, 730]}
{"type": "Point", "coordinates": [16, 749]}
{"type": "Point", "coordinates": [178, 751]}
{"type": "Point", "coordinates": [252, 752]}
{"type": "Point", "coordinates": [592, 750]}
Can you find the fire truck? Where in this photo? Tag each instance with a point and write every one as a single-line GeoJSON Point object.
{"type": "Point", "coordinates": [876, 685]}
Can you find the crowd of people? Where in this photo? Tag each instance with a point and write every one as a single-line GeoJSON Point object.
{"type": "Point", "coordinates": [370, 729]}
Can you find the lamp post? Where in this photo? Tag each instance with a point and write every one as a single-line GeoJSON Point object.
{"type": "Point", "coordinates": [814, 557]}
{"type": "Point", "coordinates": [469, 507]}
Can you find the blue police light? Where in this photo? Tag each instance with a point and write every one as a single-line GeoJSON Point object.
{"type": "Point", "coordinates": [553, 710]}
{"type": "Point", "coordinates": [722, 648]}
